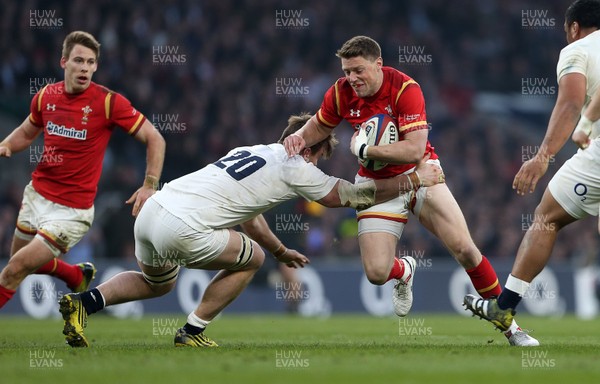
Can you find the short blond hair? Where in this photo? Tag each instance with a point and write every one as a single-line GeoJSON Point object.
{"type": "Point", "coordinates": [295, 122]}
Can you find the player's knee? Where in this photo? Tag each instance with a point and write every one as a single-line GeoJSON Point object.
{"type": "Point", "coordinates": [466, 253]}
{"type": "Point", "coordinates": [377, 276]}
{"type": "Point", "coordinates": [162, 289]}
{"type": "Point", "coordinates": [14, 272]}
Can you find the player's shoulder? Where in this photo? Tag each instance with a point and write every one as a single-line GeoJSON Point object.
{"type": "Point", "coordinates": [101, 89]}
{"type": "Point", "coordinates": [588, 44]}
{"type": "Point", "coordinates": [397, 78]}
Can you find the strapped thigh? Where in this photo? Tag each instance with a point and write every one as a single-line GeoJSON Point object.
{"type": "Point", "coordinates": [162, 278]}
{"type": "Point", "coordinates": [246, 253]}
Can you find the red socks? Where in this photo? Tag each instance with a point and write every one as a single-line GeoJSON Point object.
{"type": "Point", "coordinates": [397, 270]}
{"type": "Point", "coordinates": [484, 279]}
{"type": "Point", "coordinates": [70, 274]}
{"type": "Point", "coordinates": [5, 295]}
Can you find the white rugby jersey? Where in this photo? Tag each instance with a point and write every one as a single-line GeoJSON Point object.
{"type": "Point", "coordinates": [241, 185]}
{"type": "Point", "coordinates": [582, 56]}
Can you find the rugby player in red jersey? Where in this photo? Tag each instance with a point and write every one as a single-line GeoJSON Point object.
{"type": "Point", "coordinates": [77, 118]}
{"type": "Point", "coordinates": [370, 88]}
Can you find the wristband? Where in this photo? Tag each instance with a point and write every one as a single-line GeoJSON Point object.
{"type": "Point", "coordinates": [415, 180]}
{"type": "Point", "coordinates": [151, 181]}
{"type": "Point", "coordinates": [275, 252]}
{"type": "Point", "coordinates": [362, 152]}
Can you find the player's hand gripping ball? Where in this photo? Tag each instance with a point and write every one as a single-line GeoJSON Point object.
{"type": "Point", "coordinates": [378, 130]}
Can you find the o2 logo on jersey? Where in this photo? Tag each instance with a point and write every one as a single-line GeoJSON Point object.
{"type": "Point", "coordinates": [581, 190]}
{"type": "Point", "coordinates": [241, 164]}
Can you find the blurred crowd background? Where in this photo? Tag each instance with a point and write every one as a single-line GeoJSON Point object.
{"type": "Point", "coordinates": [216, 74]}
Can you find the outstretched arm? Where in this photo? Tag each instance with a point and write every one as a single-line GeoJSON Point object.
{"type": "Point", "coordinates": [363, 195]}
{"type": "Point", "coordinates": [19, 139]}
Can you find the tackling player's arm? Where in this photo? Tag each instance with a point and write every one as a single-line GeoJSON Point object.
{"type": "Point", "coordinates": [19, 139]}
{"type": "Point", "coordinates": [366, 194]}
{"type": "Point", "coordinates": [155, 154]}
{"type": "Point", "coordinates": [584, 129]}
{"type": "Point", "coordinates": [569, 101]}
{"type": "Point", "coordinates": [258, 230]}
{"type": "Point", "coordinates": [311, 133]}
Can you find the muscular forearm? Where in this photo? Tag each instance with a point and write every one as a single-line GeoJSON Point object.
{"type": "Point", "coordinates": [313, 132]}
{"type": "Point", "coordinates": [155, 154]}
{"type": "Point", "coordinates": [259, 231]}
{"type": "Point", "coordinates": [409, 150]}
{"type": "Point", "coordinates": [562, 121]}
{"type": "Point", "coordinates": [21, 138]}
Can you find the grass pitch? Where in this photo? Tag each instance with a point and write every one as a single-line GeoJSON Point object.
{"type": "Point", "coordinates": [263, 349]}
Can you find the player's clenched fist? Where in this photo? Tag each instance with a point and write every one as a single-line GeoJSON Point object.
{"type": "Point", "coordinates": [293, 144]}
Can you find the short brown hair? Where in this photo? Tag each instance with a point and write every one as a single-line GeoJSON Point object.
{"type": "Point", "coordinates": [295, 122]}
{"type": "Point", "coordinates": [81, 38]}
{"type": "Point", "coordinates": [360, 46]}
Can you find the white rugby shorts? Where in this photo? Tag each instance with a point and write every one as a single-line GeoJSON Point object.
{"type": "Point", "coordinates": [162, 239]}
{"type": "Point", "coordinates": [576, 185]}
{"type": "Point", "coordinates": [58, 226]}
{"type": "Point", "coordinates": [391, 216]}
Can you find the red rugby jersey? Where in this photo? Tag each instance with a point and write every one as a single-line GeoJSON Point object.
{"type": "Point", "coordinates": [77, 128]}
{"type": "Point", "coordinates": [400, 97]}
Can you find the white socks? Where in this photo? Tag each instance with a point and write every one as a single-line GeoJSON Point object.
{"type": "Point", "coordinates": [196, 321]}
{"type": "Point", "coordinates": [516, 285]}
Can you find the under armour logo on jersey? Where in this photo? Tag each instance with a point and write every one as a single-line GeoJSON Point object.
{"type": "Point", "coordinates": [50, 107]}
{"type": "Point", "coordinates": [354, 113]}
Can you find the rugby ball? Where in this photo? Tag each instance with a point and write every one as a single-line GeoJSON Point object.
{"type": "Point", "coordinates": [380, 130]}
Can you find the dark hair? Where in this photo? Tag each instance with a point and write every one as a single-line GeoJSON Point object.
{"type": "Point", "coordinates": [81, 38]}
{"type": "Point", "coordinates": [585, 12]}
{"type": "Point", "coordinates": [360, 46]}
{"type": "Point", "coordinates": [295, 122]}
